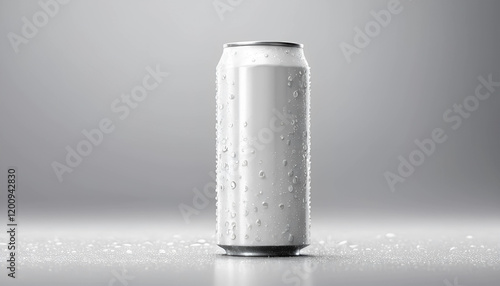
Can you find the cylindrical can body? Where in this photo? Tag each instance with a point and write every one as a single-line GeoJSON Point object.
{"type": "Point", "coordinates": [263, 149]}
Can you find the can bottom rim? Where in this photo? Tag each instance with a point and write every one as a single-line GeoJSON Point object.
{"type": "Point", "coordinates": [278, 250]}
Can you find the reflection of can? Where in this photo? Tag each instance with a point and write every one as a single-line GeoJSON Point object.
{"type": "Point", "coordinates": [263, 143]}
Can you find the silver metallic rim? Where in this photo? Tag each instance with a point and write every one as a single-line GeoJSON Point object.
{"type": "Point", "coordinates": [263, 43]}
{"type": "Point", "coordinates": [281, 250]}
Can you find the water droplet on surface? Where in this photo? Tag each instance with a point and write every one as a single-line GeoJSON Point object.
{"type": "Point", "coordinates": [244, 163]}
{"type": "Point", "coordinates": [288, 142]}
{"type": "Point", "coordinates": [285, 163]}
{"type": "Point", "coordinates": [253, 60]}
{"type": "Point", "coordinates": [233, 185]}
{"type": "Point", "coordinates": [258, 222]}
{"type": "Point", "coordinates": [295, 180]}
{"type": "Point", "coordinates": [266, 55]}
{"type": "Point", "coordinates": [224, 148]}
{"type": "Point", "coordinates": [290, 173]}
{"type": "Point", "coordinates": [245, 124]}
{"type": "Point", "coordinates": [262, 174]}
{"type": "Point", "coordinates": [282, 137]}
{"type": "Point", "coordinates": [295, 94]}
{"type": "Point", "coordinates": [264, 205]}
{"type": "Point", "coordinates": [231, 96]}
{"type": "Point", "coordinates": [224, 77]}
{"type": "Point", "coordinates": [233, 236]}
{"type": "Point", "coordinates": [290, 188]}
{"type": "Point", "coordinates": [290, 237]}
{"type": "Point", "coordinates": [282, 206]}
{"type": "Point", "coordinates": [290, 78]}
{"type": "Point", "coordinates": [246, 188]}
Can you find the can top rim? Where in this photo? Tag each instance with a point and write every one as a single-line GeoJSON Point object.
{"type": "Point", "coordinates": [264, 43]}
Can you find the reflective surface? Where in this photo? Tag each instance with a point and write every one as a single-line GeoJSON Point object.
{"type": "Point", "coordinates": [414, 253]}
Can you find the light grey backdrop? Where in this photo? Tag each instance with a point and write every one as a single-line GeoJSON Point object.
{"type": "Point", "coordinates": [365, 113]}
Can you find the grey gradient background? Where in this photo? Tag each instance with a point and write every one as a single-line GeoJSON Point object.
{"type": "Point", "coordinates": [364, 114]}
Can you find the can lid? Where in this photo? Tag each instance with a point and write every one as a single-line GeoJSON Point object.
{"type": "Point", "coordinates": [264, 43]}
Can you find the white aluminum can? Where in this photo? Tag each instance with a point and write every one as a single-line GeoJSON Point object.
{"type": "Point", "coordinates": [263, 149]}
